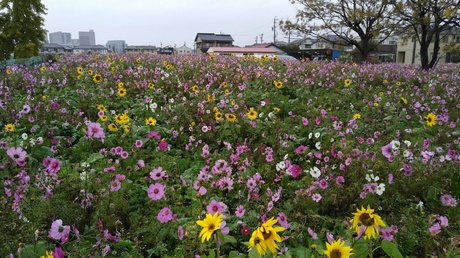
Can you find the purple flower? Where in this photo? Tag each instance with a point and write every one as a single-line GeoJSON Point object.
{"type": "Point", "coordinates": [115, 185]}
{"type": "Point", "coordinates": [17, 154]}
{"type": "Point", "coordinates": [240, 211]}
{"type": "Point", "coordinates": [180, 232]}
{"type": "Point", "coordinates": [316, 197]}
{"type": "Point", "coordinates": [95, 130]}
{"type": "Point", "coordinates": [156, 191]}
{"type": "Point", "coordinates": [163, 145]}
{"type": "Point", "coordinates": [435, 229]}
{"type": "Point", "coordinates": [58, 253]}
{"type": "Point", "coordinates": [165, 215]}
{"type": "Point", "coordinates": [386, 150]}
{"type": "Point", "coordinates": [312, 233]}
{"type": "Point", "coordinates": [139, 143]}
{"type": "Point", "coordinates": [282, 220]}
{"type": "Point", "coordinates": [58, 231]}
{"type": "Point", "coordinates": [157, 173]}
{"type": "Point", "coordinates": [295, 170]}
{"type": "Point", "coordinates": [385, 234]}
{"type": "Point", "coordinates": [215, 206]}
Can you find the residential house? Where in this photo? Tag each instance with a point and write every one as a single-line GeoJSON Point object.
{"type": "Point", "coordinates": [142, 49]}
{"type": "Point", "coordinates": [95, 49]}
{"type": "Point", "coordinates": [409, 49]}
{"type": "Point", "coordinates": [204, 41]}
{"type": "Point", "coordinates": [53, 48]}
{"type": "Point", "coordinates": [319, 49]}
{"type": "Point", "coordinates": [268, 45]}
{"type": "Point", "coordinates": [184, 50]}
{"type": "Point", "coordinates": [243, 51]}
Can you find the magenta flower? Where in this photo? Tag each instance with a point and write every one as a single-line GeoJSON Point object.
{"type": "Point", "coordinates": [58, 231]}
{"type": "Point", "coordinates": [386, 150]}
{"type": "Point", "coordinates": [295, 170]}
{"type": "Point", "coordinates": [115, 185]}
{"type": "Point", "coordinates": [240, 211]}
{"type": "Point", "coordinates": [156, 191]}
{"type": "Point", "coordinates": [316, 197]}
{"type": "Point", "coordinates": [95, 130]}
{"type": "Point", "coordinates": [165, 215]}
{"type": "Point", "coordinates": [139, 143]}
{"type": "Point", "coordinates": [215, 206]}
{"type": "Point", "coordinates": [17, 154]}
{"type": "Point", "coordinates": [180, 232]}
{"type": "Point", "coordinates": [163, 145]}
{"type": "Point", "coordinates": [157, 173]}
{"type": "Point", "coordinates": [58, 253]}
{"type": "Point", "coordinates": [282, 220]}
{"type": "Point", "coordinates": [312, 233]}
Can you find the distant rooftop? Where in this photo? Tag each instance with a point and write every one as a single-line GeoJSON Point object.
{"type": "Point", "coordinates": [214, 37]}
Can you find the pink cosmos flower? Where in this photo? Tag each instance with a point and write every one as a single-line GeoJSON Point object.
{"type": "Point", "coordinates": [157, 173]}
{"type": "Point", "coordinates": [115, 185]}
{"type": "Point", "coordinates": [95, 130]}
{"type": "Point", "coordinates": [165, 215]}
{"type": "Point", "coordinates": [239, 212]}
{"type": "Point", "coordinates": [316, 197]}
{"type": "Point", "coordinates": [58, 231]}
{"type": "Point", "coordinates": [180, 232]}
{"type": "Point", "coordinates": [17, 154]}
{"type": "Point", "coordinates": [215, 206]}
{"type": "Point", "coordinates": [312, 233]}
{"type": "Point", "coordinates": [163, 145]}
{"type": "Point", "coordinates": [304, 121]}
{"type": "Point", "coordinates": [156, 191]}
{"type": "Point", "coordinates": [386, 151]}
{"type": "Point", "coordinates": [295, 170]}
{"type": "Point", "coordinates": [282, 220]}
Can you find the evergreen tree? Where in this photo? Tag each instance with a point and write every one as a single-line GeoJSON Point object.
{"type": "Point", "coordinates": [21, 27]}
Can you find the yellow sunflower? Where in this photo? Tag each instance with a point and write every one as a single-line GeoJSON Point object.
{"type": "Point", "coordinates": [224, 84]}
{"type": "Point", "coordinates": [210, 224]}
{"type": "Point", "coordinates": [403, 100]}
{"type": "Point", "coordinates": [43, 68]}
{"type": "Point", "coordinates": [275, 59]}
{"type": "Point", "coordinates": [230, 117]}
{"type": "Point", "coordinates": [265, 237]}
{"type": "Point", "coordinates": [103, 118]}
{"type": "Point", "coordinates": [347, 82]}
{"type": "Point", "coordinates": [121, 92]}
{"type": "Point", "coordinates": [252, 114]}
{"type": "Point", "coordinates": [276, 109]}
{"type": "Point", "coordinates": [430, 119]}
{"type": "Point", "coordinates": [371, 222]}
{"type": "Point", "coordinates": [97, 78]}
{"type": "Point", "coordinates": [127, 128]}
{"type": "Point", "coordinates": [101, 107]}
{"type": "Point", "coordinates": [151, 121]}
{"type": "Point", "coordinates": [10, 127]}
{"type": "Point", "coordinates": [356, 116]}
{"type": "Point", "coordinates": [278, 84]}
{"type": "Point", "coordinates": [195, 88]}
{"type": "Point", "coordinates": [8, 71]}
{"type": "Point", "coordinates": [218, 116]}
{"type": "Point", "coordinates": [90, 72]}
{"type": "Point", "coordinates": [338, 250]}
{"type": "Point", "coordinates": [151, 85]}
{"type": "Point", "coordinates": [120, 85]}
{"type": "Point", "coordinates": [113, 127]}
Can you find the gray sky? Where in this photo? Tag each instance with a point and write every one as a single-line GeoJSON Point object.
{"type": "Point", "coordinates": [168, 22]}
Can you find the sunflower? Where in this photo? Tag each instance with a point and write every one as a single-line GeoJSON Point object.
{"type": "Point", "coordinates": [276, 109]}
{"type": "Point", "coordinates": [169, 67]}
{"type": "Point", "coordinates": [356, 116]}
{"type": "Point", "coordinates": [224, 84]}
{"type": "Point", "coordinates": [338, 250]}
{"type": "Point", "coordinates": [127, 128]}
{"type": "Point", "coordinates": [347, 82]}
{"type": "Point", "coordinates": [398, 83]}
{"type": "Point", "coordinates": [101, 108]}
{"type": "Point", "coordinates": [230, 117]}
{"type": "Point", "coordinates": [120, 85]}
{"type": "Point", "coordinates": [212, 58]}
{"type": "Point", "coordinates": [195, 88]}
{"type": "Point", "coordinates": [121, 92]}
{"type": "Point", "coordinates": [367, 218]}
{"type": "Point", "coordinates": [10, 127]}
{"type": "Point", "coordinates": [97, 78]}
{"type": "Point", "coordinates": [218, 116]}
{"type": "Point", "coordinates": [151, 121]}
{"type": "Point", "coordinates": [376, 104]}
{"type": "Point", "coordinates": [210, 224]}
{"type": "Point", "coordinates": [275, 59]}
{"type": "Point", "coordinates": [403, 100]}
{"type": "Point", "coordinates": [90, 72]}
{"type": "Point", "coordinates": [103, 118]}
{"type": "Point", "coordinates": [265, 237]}
{"type": "Point", "coordinates": [8, 71]}
{"type": "Point", "coordinates": [150, 85]}
{"type": "Point", "coordinates": [113, 127]}
{"type": "Point", "coordinates": [43, 68]}
{"type": "Point", "coordinates": [278, 84]}
{"type": "Point", "coordinates": [430, 119]}
{"type": "Point", "coordinates": [252, 114]}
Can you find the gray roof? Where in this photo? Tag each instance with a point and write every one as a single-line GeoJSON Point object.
{"type": "Point", "coordinates": [90, 47]}
{"type": "Point", "coordinates": [52, 45]}
{"type": "Point", "coordinates": [214, 37]}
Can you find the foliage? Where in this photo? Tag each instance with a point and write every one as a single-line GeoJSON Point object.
{"type": "Point", "coordinates": [120, 155]}
{"type": "Point", "coordinates": [427, 20]}
{"type": "Point", "coordinates": [22, 27]}
{"type": "Point", "coordinates": [352, 22]}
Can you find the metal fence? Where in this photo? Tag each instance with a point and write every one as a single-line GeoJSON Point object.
{"type": "Point", "coordinates": [21, 61]}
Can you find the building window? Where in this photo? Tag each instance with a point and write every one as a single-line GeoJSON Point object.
{"type": "Point", "coordinates": [307, 45]}
{"type": "Point", "coordinates": [445, 39]}
{"type": "Point", "coordinates": [457, 39]}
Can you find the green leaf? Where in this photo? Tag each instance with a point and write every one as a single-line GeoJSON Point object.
{"type": "Point", "coordinates": [42, 152]}
{"type": "Point", "coordinates": [94, 157]}
{"type": "Point", "coordinates": [229, 239]}
{"type": "Point", "coordinates": [235, 254]}
{"type": "Point", "coordinates": [212, 253]}
{"type": "Point", "coordinates": [391, 249]}
{"type": "Point", "coordinates": [360, 249]}
{"type": "Point", "coordinates": [33, 251]}
{"type": "Point", "coordinates": [301, 251]}
{"type": "Point", "coordinates": [254, 253]}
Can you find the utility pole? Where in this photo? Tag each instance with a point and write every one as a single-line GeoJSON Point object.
{"type": "Point", "coordinates": [274, 30]}
{"type": "Point", "coordinates": [257, 37]}
{"type": "Point", "coordinates": [261, 38]}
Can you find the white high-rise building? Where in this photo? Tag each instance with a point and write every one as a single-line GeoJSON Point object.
{"type": "Point", "coordinates": [87, 37]}
{"type": "Point", "coordinates": [117, 46]}
{"type": "Point", "coordinates": [62, 38]}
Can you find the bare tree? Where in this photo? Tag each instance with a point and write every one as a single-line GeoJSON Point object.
{"type": "Point", "coordinates": [360, 23]}
{"type": "Point", "coordinates": [427, 20]}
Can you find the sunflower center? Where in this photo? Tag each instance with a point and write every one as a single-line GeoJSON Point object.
{"type": "Point", "coordinates": [335, 254]}
{"type": "Point", "coordinates": [266, 234]}
{"type": "Point", "coordinates": [211, 226]}
{"type": "Point", "coordinates": [366, 219]}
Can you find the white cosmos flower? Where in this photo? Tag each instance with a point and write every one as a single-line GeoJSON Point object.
{"type": "Point", "coordinates": [24, 136]}
{"type": "Point", "coordinates": [318, 145]}
{"type": "Point", "coordinates": [380, 188]}
{"type": "Point", "coordinates": [317, 134]}
{"type": "Point", "coordinates": [315, 172]}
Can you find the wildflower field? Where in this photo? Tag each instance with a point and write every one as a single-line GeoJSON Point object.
{"type": "Point", "coordinates": [219, 156]}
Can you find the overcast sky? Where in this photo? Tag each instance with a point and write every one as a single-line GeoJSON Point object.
{"type": "Point", "coordinates": [168, 22]}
